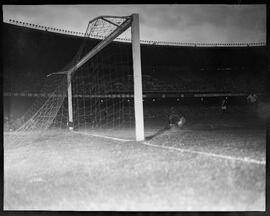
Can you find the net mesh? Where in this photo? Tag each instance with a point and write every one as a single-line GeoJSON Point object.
{"type": "Point", "coordinates": [102, 89]}
{"type": "Point", "coordinates": [102, 92]}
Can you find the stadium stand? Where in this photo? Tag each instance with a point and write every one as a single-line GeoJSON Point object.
{"type": "Point", "coordinates": [32, 52]}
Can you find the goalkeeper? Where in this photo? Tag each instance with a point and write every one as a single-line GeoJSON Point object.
{"type": "Point", "coordinates": [175, 121]}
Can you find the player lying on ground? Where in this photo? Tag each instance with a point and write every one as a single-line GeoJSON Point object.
{"type": "Point", "coordinates": [175, 121]}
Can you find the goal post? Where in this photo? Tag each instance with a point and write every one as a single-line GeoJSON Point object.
{"type": "Point", "coordinates": [133, 22]}
{"type": "Point", "coordinates": [137, 74]}
{"type": "Point", "coordinates": [70, 110]}
{"type": "Point", "coordinates": [93, 91]}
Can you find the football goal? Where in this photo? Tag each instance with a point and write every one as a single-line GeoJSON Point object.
{"type": "Point", "coordinates": [99, 91]}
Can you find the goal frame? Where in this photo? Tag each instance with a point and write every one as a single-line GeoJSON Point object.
{"type": "Point", "coordinates": [133, 22]}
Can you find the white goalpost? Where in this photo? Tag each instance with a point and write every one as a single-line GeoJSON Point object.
{"type": "Point", "coordinates": [96, 90]}
{"type": "Point", "coordinates": [70, 110]}
{"type": "Point", "coordinates": [137, 74]}
{"type": "Point", "coordinates": [138, 97]}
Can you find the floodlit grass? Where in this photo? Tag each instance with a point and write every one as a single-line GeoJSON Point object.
{"type": "Point", "coordinates": [65, 171]}
{"type": "Point", "coordinates": [241, 143]}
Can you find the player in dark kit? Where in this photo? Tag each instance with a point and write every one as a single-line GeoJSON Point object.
{"type": "Point", "coordinates": [175, 121]}
{"type": "Point", "coordinates": [224, 105]}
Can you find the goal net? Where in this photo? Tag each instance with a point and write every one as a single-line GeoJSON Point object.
{"type": "Point", "coordinates": [94, 93]}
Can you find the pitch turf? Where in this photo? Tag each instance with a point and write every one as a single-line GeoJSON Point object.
{"type": "Point", "coordinates": [68, 171]}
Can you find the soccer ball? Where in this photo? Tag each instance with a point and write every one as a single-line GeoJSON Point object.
{"type": "Point", "coordinates": [181, 122]}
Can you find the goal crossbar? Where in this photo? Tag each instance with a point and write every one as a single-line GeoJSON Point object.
{"type": "Point", "coordinates": [119, 30]}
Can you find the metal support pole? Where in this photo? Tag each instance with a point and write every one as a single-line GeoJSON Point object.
{"type": "Point", "coordinates": [70, 112]}
{"type": "Point", "coordinates": [137, 74]}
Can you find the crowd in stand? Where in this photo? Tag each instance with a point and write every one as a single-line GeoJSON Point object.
{"type": "Point", "coordinates": [191, 83]}
{"type": "Point", "coordinates": [185, 83]}
{"type": "Point", "coordinates": [22, 85]}
{"type": "Point", "coordinates": [171, 76]}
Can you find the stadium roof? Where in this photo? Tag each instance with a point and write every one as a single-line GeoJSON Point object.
{"type": "Point", "coordinates": [161, 43]}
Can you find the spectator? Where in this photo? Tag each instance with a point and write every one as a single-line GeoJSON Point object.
{"type": "Point", "coordinates": [224, 105]}
{"type": "Point", "coordinates": [252, 100]}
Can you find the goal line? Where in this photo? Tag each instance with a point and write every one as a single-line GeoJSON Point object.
{"type": "Point", "coordinates": [207, 154]}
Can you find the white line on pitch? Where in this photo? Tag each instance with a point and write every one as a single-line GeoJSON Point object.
{"type": "Point", "coordinates": [246, 160]}
{"type": "Point", "coordinates": [102, 136]}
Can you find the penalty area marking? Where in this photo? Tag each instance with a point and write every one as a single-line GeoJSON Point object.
{"type": "Point", "coordinates": [246, 160]}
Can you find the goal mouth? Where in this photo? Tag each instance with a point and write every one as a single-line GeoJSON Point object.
{"type": "Point", "coordinates": [96, 90]}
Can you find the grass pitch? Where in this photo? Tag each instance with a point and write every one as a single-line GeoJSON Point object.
{"type": "Point", "coordinates": [66, 171]}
